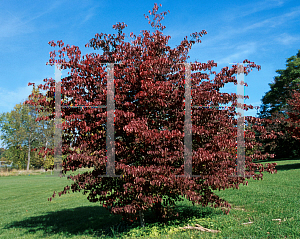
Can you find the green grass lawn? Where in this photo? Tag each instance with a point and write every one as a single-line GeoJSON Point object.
{"type": "Point", "coordinates": [25, 211]}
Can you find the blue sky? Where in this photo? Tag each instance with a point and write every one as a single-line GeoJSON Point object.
{"type": "Point", "coordinates": [265, 31]}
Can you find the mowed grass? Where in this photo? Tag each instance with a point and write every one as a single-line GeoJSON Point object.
{"type": "Point", "coordinates": [25, 211]}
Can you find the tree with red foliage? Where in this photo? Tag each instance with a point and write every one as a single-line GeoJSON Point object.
{"type": "Point", "coordinates": [149, 97]}
{"type": "Point", "coordinates": [293, 119]}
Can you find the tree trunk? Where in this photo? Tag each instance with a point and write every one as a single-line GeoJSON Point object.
{"type": "Point", "coordinates": [142, 220]}
{"type": "Point", "coordinates": [157, 208]}
{"type": "Point", "coordinates": [28, 161]}
{"type": "Point", "coordinates": [46, 150]}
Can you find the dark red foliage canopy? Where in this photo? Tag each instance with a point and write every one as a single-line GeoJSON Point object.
{"type": "Point", "coordinates": [149, 122]}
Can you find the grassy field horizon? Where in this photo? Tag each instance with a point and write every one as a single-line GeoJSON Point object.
{"type": "Point", "coordinates": [267, 208]}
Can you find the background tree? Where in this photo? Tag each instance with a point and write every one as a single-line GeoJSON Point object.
{"type": "Point", "coordinates": [9, 138]}
{"type": "Point", "coordinates": [3, 157]}
{"type": "Point", "coordinates": [2, 150]}
{"type": "Point", "coordinates": [46, 132]}
{"type": "Point", "coordinates": [18, 155]}
{"type": "Point", "coordinates": [149, 94]}
{"type": "Point", "coordinates": [21, 131]}
{"type": "Point", "coordinates": [275, 106]}
{"type": "Point", "coordinates": [14, 131]}
{"type": "Point", "coordinates": [275, 100]}
{"type": "Point", "coordinates": [46, 146]}
{"type": "Point", "coordinates": [293, 119]}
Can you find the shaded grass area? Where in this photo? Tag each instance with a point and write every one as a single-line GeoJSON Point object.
{"type": "Point", "coordinates": [26, 212]}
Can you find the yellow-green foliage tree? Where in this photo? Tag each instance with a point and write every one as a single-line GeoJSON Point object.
{"type": "Point", "coordinates": [23, 132]}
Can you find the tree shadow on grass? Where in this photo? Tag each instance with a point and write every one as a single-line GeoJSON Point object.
{"type": "Point", "coordinates": [288, 166]}
{"type": "Point", "coordinates": [276, 159]}
{"type": "Point", "coordinates": [88, 220]}
{"type": "Point", "coordinates": [289, 158]}
{"type": "Point", "coordinates": [95, 221]}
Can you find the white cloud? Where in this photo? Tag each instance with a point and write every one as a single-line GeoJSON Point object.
{"type": "Point", "coordinates": [240, 53]}
{"type": "Point", "coordinates": [287, 39]}
{"type": "Point", "coordinates": [265, 24]}
{"type": "Point", "coordinates": [9, 98]}
{"type": "Point", "coordinates": [275, 21]}
{"type": "Point", "coordinates": [251, 8]}
{"type": "Point", "coordinates": [12, 26]}
{"type": "Point", "coordinates": [17, 22]}
{"type": "Point", "coordinates": [88, 15]}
